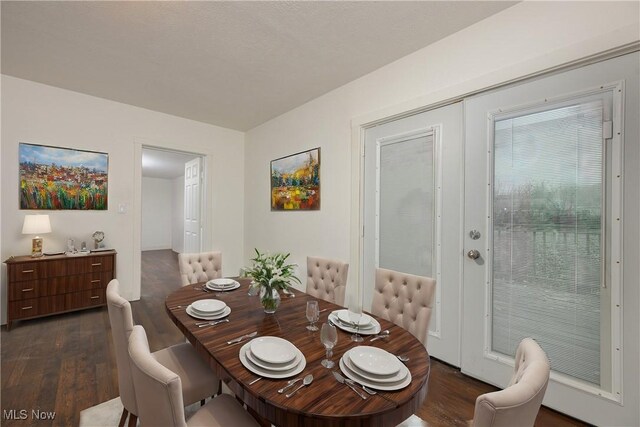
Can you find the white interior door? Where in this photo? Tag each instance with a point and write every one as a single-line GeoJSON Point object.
{"type": "Point", "coordinates": [412, 213]}
{"type": "Point", "coordinates": [544, 188]}
{"type": "Point", "coordinates": [192, 191]}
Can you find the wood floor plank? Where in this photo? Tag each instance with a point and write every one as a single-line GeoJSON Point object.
{"type": "Point", "coordinates": [66, 363]}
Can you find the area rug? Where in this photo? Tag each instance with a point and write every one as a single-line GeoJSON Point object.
{"type": "Point", "coordinates": [107, 414]}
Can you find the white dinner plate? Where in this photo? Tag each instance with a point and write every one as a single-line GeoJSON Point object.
{"type": "Point", "coordinates": [224, 313]}
{"type": "Point", "coordinates": [374, 384]}
{"type": "Point", "coordinates": [273, 350]}
{"type": "Point", "coordinates": [360, 328]}
{"type": "Point", "coordinates": [208, 306]}
{"type": "Point", "coordinates": [274, 366]}
{"type": "Point", "coordinates": [365, 320]}
{"type": "Point", "coordinates": [374, 360]}
{"type": "Point", "coordinates": [227, 285]}
{"type": "Point", "coordinates": [373, 377]}
{"type": "Point", "coordinates": [269, 373]}
{"type": "Point", "coordinates": [333, 317]}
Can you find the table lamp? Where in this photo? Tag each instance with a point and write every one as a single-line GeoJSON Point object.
{"type": "Point", "coordinates": [36, 224]}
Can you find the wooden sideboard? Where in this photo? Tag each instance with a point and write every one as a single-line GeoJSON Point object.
{"type": "Point", "coordinates": [56, 284]}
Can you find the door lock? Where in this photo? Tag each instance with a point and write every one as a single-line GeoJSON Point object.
{"type": "Point", "coordinates": [473, 254]}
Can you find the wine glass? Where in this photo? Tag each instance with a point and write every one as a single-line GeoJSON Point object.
{"type": "Point", "coordinates": [313, 314]}
{"type": "Point", "coordinates": [329, 338]}
{"type": "Point", "coordinates": [355, 314]}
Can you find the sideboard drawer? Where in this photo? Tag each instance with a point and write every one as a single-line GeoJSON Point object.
{"type": "Point", "coordinates": [86, 298]}
{"type": "Point", "coordinates": [24, 308]}
{"type": "Point", "coordinates": [24, 290]}
{"type": "Point", "coordinates": [26, 271]}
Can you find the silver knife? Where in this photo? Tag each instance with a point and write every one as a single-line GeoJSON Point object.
{"type": "Point", "coordinates": [341, 380]}
{"type": "Point", "coordinates": [239, 339]}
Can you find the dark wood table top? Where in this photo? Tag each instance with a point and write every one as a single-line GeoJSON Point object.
{"type": "Point", "coordinates": [323, 403]}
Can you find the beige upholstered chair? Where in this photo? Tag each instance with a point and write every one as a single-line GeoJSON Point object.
{"type": "Point", "coordinates": [518, 404]}
{"type": "Point", "coordinates": [327, 279]}
{"type": "Point", "coordinates": [198, 381]}
{"type": "Point", "coordinates": [404, 299]}
{"type": "Point", "coordinates": [200, 267]}
{"type": "Point", "coordinates": [158, 392]}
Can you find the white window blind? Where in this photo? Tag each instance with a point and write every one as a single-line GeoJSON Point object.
{"type": "Point", "coordinates": [406, 205]}
{"type": "Point", "coordinates": [547, 235]}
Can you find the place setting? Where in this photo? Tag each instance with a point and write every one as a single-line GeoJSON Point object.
{"type": "Point", "coordinates": [222, 285]}
{"type": "Point", "coordinates": [375, 368]}
{"type": "Point", "coordinates": [356, 323]}
{"type": "Point", "coordinates": [272, 357]}
{"type": "Point", "coordinates": [208, 309]}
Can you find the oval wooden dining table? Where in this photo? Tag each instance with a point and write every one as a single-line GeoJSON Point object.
{"type": "Point", "coordinates": [325, 402]}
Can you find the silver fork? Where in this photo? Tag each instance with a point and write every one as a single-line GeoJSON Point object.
{"type": "Point", "coordinates": [202, 325]}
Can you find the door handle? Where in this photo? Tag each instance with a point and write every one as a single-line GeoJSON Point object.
{"type": "Point", "coordinates": [473, 254]}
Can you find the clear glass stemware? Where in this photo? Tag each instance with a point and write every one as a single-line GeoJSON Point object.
{"type": "Point", "coordinates": [329, 338]}
{"type": "Point", "coordinates": [355, 314]}
{"type": "Point", "coordinates": [313, 314]}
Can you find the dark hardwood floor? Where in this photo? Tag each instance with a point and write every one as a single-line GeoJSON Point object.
{"type": "Point", "coordinates": [66, 363]}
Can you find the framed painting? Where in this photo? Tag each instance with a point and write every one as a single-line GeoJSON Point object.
{"type": "Point", "coordinates": [295, 182]}
{"type": "Point", "coordinates": [55, 178]}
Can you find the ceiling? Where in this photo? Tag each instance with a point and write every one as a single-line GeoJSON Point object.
{"type": "Point", "coordinates": [234, 64]}
{"type": "Point", "coordinates": [163, 163]}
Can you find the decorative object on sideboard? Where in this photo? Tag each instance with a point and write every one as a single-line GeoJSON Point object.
{"type": "Point", "coordinates": [56, 178]}
{"type": "Point", "coordinates": [295, 182]}
{"type": "Point", "coordinates": [36, 224]}
{"type": "Point", "coordinates": [98, 237]}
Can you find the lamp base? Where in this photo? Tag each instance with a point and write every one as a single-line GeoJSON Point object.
{"type": "Point", "coordinates": [36, 247]}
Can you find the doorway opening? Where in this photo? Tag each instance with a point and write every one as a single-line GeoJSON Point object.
{"type": "Point", "coordinates": [171, 211]}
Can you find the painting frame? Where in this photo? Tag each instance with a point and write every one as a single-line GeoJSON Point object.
{"type": "Point", "coordinates": [62, 178]}
{"type": "Point", "coordinates": [295, 182]}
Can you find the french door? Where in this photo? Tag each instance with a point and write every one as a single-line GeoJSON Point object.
{"type": "Point", "coordinates": [412, 214]}
{"type": "Point", "coordinates": [544, 171]}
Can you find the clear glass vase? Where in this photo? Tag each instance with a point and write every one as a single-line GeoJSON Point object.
{"type": "Point", "coordinates": [270, 299]}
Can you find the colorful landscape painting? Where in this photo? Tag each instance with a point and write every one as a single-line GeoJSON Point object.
{"type": "Point", "coordinates": [295, 182]}
{"type": "Point", "coordinates": [62, 178]}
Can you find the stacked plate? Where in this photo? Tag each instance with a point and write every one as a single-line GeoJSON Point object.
{"type": "Point", "coordinates": [375, 368]}
{"type": "Point", "coordinates": [366, 326]}
{"type": "Point", "coordinates": [222, 284]}
{"type": "Point", "coordinates": [272, 357]}
{"type": "Point", "coordinates": [208, 309]}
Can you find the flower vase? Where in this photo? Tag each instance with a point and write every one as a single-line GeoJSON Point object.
{"type": "Point", "coordinates": [270, 299]}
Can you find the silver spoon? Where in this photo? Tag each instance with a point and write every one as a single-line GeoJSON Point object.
{"type": "Point", "coordinates": [289, 384]}
{"type": "Point", "coordinates": [306, 381]}
{"type": "Point", "coordinates": [403, 358]}
{"type": "Point", "coordinates": [381, 335]}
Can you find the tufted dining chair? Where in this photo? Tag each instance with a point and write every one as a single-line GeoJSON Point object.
{"type": "Point", "coordinates": [404, 299]}
{"type": "Point", "coordinates": [159, 394]}
{"type": "Point", "coordinates": [327, 279]}
{"type": "Point", "coordinates": [519, 403]}
{"type": "Point", "coordinates": [198, 381]}
{"type": "Point", "coordinates": [200, 267]}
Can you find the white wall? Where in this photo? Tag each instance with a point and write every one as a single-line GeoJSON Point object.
{"type": "Point", "coordinates": [526, 38]}
{"type": "Point", "coordinates": [41, 114]}
{"type": "Point", "coordinates": [177, 220]}
{"type": "Point", "coordinates": [157, 213]}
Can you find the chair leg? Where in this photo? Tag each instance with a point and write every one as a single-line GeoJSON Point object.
{"type": "Point", "coordinates": [219, 388]}
{"type": "Point", "coordinates": [202, 402]}
{"type": "Point", "coordinates": [133, 420]}
{"type": "Point", "coordinates": [123, 418]}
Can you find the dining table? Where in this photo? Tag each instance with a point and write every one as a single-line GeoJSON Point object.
{"type": "Point", "coordinates": [325, 401]}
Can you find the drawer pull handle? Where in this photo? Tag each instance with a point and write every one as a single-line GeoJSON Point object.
{"type": "Point", "coordinates": [95, 281]}
{"type": "Point", "coordinates": [27, 290]}
{"type": "Point", "coordinates": [27, 271]}
{"type": "Point", "coordinates": [95, 297]}
{"type": "Point", "coordinates": [96, 264]}
{"type": "Point", "coordinates": [27, 308]}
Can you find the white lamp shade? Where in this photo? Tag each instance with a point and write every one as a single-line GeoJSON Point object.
{"type": "Point", "coordinates": [36, 224]}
